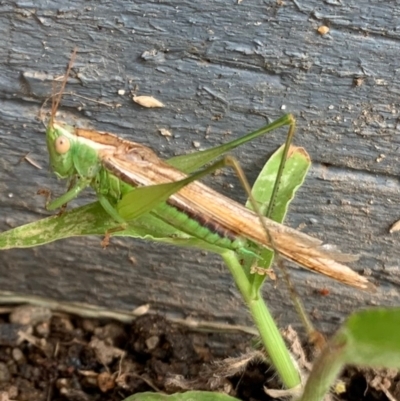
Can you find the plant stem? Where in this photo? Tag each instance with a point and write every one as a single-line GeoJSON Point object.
{"type": "Point", "coordinates": [271, 338]}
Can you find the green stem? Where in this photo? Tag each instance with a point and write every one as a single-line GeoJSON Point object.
{"type": "Point", "coordinates": [271, 338]}
{"type": "Point", "coordinates": [326, 369]}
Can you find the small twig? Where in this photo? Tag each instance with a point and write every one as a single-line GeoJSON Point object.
{"type": "Point", "coordinates": [147, 381]}
{"type": "Point", "coordinates": [92, 100]}
{"type": "Point", "coordinates": [31, 161]}
{"type": "Point", "coordinates": [386, 392]}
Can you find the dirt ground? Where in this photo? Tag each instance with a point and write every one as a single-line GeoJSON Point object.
{"type": "Point", "coordinates": [55, 356]}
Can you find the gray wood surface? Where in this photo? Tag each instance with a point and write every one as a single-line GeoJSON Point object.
{"type": "Point", "coordinates": [222, 68]}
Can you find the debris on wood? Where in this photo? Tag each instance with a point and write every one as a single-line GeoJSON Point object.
{"type": "Point", "coordinates": [147, 101]}
{"type": "Point", "coordinates": [323, 30]}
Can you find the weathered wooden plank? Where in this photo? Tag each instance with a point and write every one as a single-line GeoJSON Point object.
{"type": "Point", "coordinates": [222, 69]}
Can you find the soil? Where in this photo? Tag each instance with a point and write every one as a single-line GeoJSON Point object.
{"type": "Point", "coordinates": [46, 356]}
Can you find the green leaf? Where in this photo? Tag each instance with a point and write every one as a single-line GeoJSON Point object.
{"type": "Point", "coordinates": [187, 396]}
{"type": "Point", "coordinates": [373, 338]}
{"type": "Point", "coordinates": [93, 220]}
{"type": "Point", "coordinates": [86, 220]}
{"type": "Point", "coordinates": [367, 338]}
{"type": "Point", "coordinates": [296, 168]}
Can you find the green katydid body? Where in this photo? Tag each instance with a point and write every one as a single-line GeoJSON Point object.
{"type": "Point", "coordinates": [81, 163]}
{"type": "Point", "coordinates": [72, 159]}
{"type": "Point", "coordinates": [113, 167]}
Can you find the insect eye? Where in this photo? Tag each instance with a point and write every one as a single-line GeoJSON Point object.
{"type": "Point", "coordinates": [62, 145]}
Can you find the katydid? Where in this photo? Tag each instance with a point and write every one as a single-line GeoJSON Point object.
{"type": "Point", "coordinates": [130, 180]}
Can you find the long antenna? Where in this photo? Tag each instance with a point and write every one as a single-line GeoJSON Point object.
{"type": "Point", "coordinates": [56, 99]}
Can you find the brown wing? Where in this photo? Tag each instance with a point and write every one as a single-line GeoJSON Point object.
{"type": "Point", "coordinates": [141, 167]}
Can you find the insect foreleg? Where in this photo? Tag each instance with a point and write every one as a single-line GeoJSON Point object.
{"type": "Point", "coordinates": [80, 185]}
